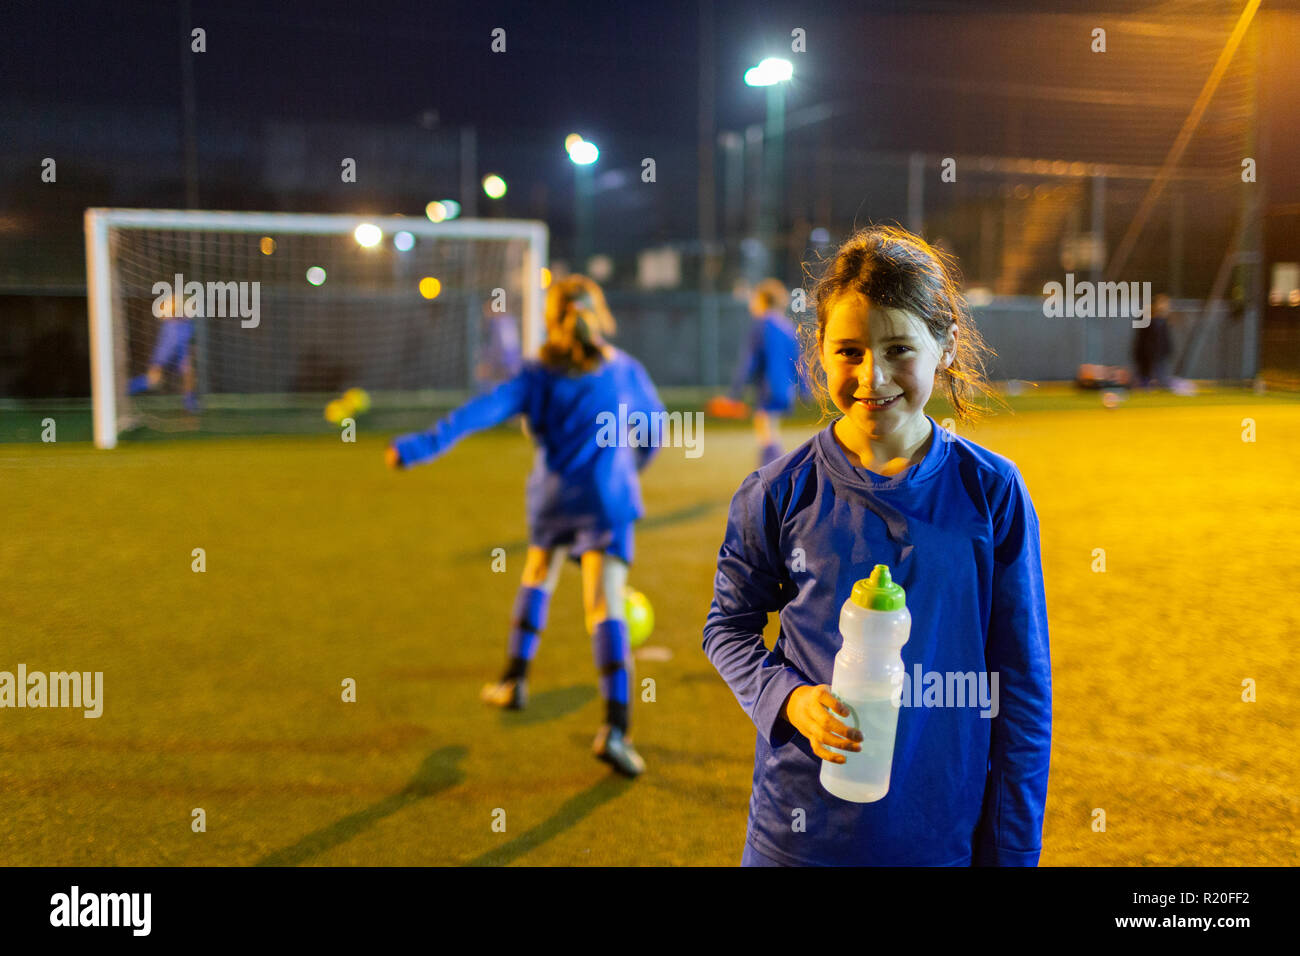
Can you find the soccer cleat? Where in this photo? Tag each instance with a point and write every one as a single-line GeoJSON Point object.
{"type": "Point", "coordinates": [617, 751]}
{"type": "Point", "coordinates": [508, 694]}
{"type": "Point", "coordinates": [191, 402]}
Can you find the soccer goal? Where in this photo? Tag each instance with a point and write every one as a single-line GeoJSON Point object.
{"type": "Point", "coordinates": [232, 322]}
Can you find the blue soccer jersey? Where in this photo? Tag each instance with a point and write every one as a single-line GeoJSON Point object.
{"type": "Point", "coordinates": [771, 361]}
{"type": "Point", "coordinates": [960, 535]}
{"type": "Point", "coordinates": [580, 481]}
{"type": "Point", "coordinates": [173, 344]}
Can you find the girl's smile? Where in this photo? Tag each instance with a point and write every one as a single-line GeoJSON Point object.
{"type": "Point", "coordinates": [871, 402]}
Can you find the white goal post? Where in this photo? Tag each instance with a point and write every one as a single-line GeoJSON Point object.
{"type": "Point", "coordinates": [277, 310]}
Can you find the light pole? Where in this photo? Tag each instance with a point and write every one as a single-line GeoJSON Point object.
{"type": "Point", "coordinates": [771, 73]}
{"type": "Point", "coordinates": [583, 155]}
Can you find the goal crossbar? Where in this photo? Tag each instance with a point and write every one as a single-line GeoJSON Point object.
{"type": "Point", "coordinates": [99, 222]}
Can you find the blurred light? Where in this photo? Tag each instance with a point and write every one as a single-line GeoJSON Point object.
{"type": "Point", "coordinates": [979, 297]}
{"type": "Point", "coordinates": [1294, 297]}
{"type": "Point", "coordinates": [436, 212]}
{"type": "Point", "coordinates": [494, 186]}
{"type": "Point", "coordinates": [316, 275]}
{"type": "Point", "coordinates": [546, 278]}
{"type": "Point", "coordinates": [430, 287]}
{"type": "Point", "coordinates": [404, 241]}
{"type": "Point", "coordinates": [584, 153]}
{"type": "Point", "coordinates": [820, 235]}
{"type": "Point", "coordinates": [451, 207]}
{"type": "Point", "coordinates": [570, 140]}
{"type": "Point", "coordinates": [368, 234]}
{"type": "Point", "coordinates": [600, 267]}
{"type": "Point", "coordinates": [769, 72]}
{"type": "Point", "coordinates": [267, 245]}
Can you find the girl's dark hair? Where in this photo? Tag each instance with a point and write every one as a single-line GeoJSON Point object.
{"type": "Point", "coordinates": [896, 269]}
{"type": "Point", "coordinates": [577, 324]}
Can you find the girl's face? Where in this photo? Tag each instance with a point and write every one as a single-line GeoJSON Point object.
{"type": "Point", "coordinates": [871, 352]}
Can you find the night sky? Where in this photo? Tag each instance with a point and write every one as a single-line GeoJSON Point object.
{"type": "Point", "coordinates": [921, 75]}
{"type": "Point", "coordinates": [613, 70]}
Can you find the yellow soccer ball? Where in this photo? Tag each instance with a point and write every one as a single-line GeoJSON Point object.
{"type": "Point", "coordinates": [359, 399]}
{"type": "Point", "coordinates": [336, 411]}
{"type": "Point", "coordinates": [640, 617]}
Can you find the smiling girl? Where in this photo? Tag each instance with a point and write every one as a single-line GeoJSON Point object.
{"type": "Point", "coordinates": [884, 484]}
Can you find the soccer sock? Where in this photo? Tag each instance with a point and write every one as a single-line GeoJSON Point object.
{"type": "Point", "coordinates": [768, 454]}
{"type": "Point", "coordinates": [528, 622]}
{"type": "Point", "coordinates": [610, 646]}
{"type": "Point", "coordinates": [616, 715]}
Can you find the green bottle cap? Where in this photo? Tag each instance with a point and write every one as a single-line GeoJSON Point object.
{"type": "Point", "coordinates": [879, 592]}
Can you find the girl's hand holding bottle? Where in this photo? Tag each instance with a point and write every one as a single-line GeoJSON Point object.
{"type": "Point", "coordinates": [808, 711]}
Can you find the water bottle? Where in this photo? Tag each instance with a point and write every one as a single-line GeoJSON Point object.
{"type": "Point", "coordinates": [868, 678]}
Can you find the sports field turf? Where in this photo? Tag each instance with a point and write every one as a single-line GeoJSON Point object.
{"type": "Point", "coordinates": [223, 688]}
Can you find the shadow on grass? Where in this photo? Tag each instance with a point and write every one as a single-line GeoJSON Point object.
{"type": "Point", "coordinates": [550, 704]}
{"type": "Point", "coordinates": [680, 516]}
{"type": "Point", "coordinates": [438, 772]}
{"type": "Point", "coordinates": [569, 813]}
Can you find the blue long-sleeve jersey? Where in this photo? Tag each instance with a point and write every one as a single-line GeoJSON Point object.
{"type": "Point", "coordinates": [959, 533]}
{"type": "Point", "coordinates": [770, 361]}
{"type": "Point", "coordinates": [578, 480]}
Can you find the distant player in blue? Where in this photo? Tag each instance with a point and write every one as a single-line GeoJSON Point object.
{"type": "Point", "coordinates": [770, 361]}
{"type": "Point", "coordinates": [583, 495]}
{"type": "Point", "coordinates": [883, 483]}
{"type": "Point", "coordinates": [172, 350]}
{"type": "Point", "coordinates": [501, 354]}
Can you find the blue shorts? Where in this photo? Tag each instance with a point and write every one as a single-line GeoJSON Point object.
{"type": "Point", "coordinates": [173, 345]}
{"type": "Point", "coordinates": [616, 541]}
{"type": "Point", "coordinates": [777, 400]}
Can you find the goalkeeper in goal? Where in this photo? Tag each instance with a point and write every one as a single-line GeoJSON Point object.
{"type": "Point", "coordinates": [173, 349]}
{"type": "Point", "coordinates": [583, 496]}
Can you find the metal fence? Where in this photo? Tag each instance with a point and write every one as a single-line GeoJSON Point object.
{"type": "Point", "coordinates": [688, 339]}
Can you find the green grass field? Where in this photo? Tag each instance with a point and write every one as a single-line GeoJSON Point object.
{"type": "Point", "coordinates": [223, 689]}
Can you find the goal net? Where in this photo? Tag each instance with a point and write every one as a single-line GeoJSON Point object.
{"type": "Point", "coordinates": [230, 322]}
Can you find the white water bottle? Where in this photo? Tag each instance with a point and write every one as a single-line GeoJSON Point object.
{"type": "Point", "coordinates": [868, 678]}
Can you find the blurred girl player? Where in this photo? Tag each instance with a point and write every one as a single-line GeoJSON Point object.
{"type": "Point", "coordinates": [172, 349]}
{"type": "Point", "coordinates": [954, 523]}
{"type": "Point", "coordinates": [582, 497]}
{"type": "Point", "coordinates": [771, 362]}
